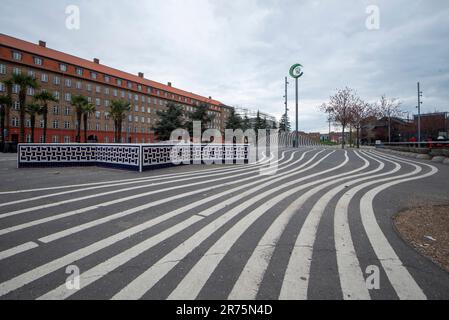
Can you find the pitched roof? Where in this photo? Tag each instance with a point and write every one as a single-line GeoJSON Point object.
{"type": "Point", "coordinates": [87, 64]}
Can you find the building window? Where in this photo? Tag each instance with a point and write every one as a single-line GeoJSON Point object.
{"type": "Point", "coordinates": [79, 71]}
{"type": "Point", "coordinates": [55, 124]}
{"type": "Point", "coordinates": [55, 139]}
{"type": "Point", "coordinates": [139, 87]}
{"type": "Point", "coordinates": [44, 77]}
{"type": "Point", "coordinates": [32, 74]}
{"type": "Point", "coordinates": [106, 127]}
{"type": "Point", "coordinates": [149, 110]}
{"type": "Point", "coordinates": [66, 139]}
{"type": "Point", "coordinates": [56, 94]}
{"type": "Point", "coordinates": [2, 69]}
{"type": "Point", "coordinates": [68, 83]}
{"type": "Point", "coordinates": [66, 124]}
{"type": "Point", "coordinates": [89, 99]}
{"type": "Point", "coordinates": [57, 80]}
{"type": "Point", "coordinates": [97, 114]}
{"type": "Point", "coordinates": [38, 61]}
{"type": "Point", "coordinates": [114, 92]}
{"type": "Point", "coordinates": [78, 85]}
{"type": "Point", "coordinates": [16, 55]}
{"type": "Point", "coordinates": [63, 67]}
{"type": "Point", "coordinates": [2, 87]}
{"type": "Point", "coordinates": [130, 85]}
{"type": "Point", "coordinates": [16, 70]}
{"type": "Point", "coordinates": [106, 103]}
{"type": "Point", "coordinates": [122, 94]}
{"type": "Point", "coordinates": [119, 82]}
{"type": "Point", "coordinates": [55, 110]}
{"type": "Point", "coordinates": [106, 91]}
{"type": "Point", "coordinates": [130, 118]}
{"type": "Point", "coordinates": [106, 78]}
{"type": "Point", "coordinates": [41, 123]}
{"type": "Point", "coordinates": [67, 111]}
{"type": "Point", "coordinates": [67, 96]}
{"type": "Point", "coordinates": [142, 119]}
{"type": "Point", "coordinates": [97, 126]}
{"type": "Point", "coordinates": [136, 97]}
{"type": "Point", "coordinates": [136, 119]}
{"type": "Point", "coordinates": [136, 108]}
{"type": "Point", "coordinates": [93, 75]}
{"type": "Point", "coordinates": [97, 101]}
{"type": "Point", "coordinates": [89, 87]}
{"type": "Point", "coordinates": [106, 139]}
{"type": "Point", "coordinates": [30, 91]}
{"type": "Point", "coordinates": [14, 122]}
{"type": "Point", "coordinates": [97, 89]}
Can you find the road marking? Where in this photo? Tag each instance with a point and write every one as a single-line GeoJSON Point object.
{"type": "Point", "coordinates": [36, 273]}
{"type": "Point", "coordinates": [264, 159]}
{"type": "Point", "coordinates": [58, 203]}
{"type": "Point", "coordinates": [16, 250]}
{"type": "Point", "coordinates": [146, 280]}
{"type": "Point", "coordinates": [109, 265]}
{"type": "Point", "coordinates": [398, 275]}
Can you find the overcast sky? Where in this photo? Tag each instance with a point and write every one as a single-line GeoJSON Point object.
{"type": "Point", "coordinates": [239, 51]}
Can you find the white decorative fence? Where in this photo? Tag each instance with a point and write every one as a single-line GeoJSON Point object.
{"type": "Point", "coordinates": [138, 157]}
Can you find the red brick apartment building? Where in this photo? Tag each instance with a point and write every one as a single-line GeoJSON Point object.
{"type": "Point", "coordinates": [65, 75]}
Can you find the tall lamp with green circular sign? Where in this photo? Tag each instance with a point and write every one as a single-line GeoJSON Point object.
{"type": "Point", "coordinates": [296, 73]}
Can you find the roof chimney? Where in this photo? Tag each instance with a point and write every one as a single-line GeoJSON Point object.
{"type": "Point", "coordinates": [210, 98]}
{"type": "Point", "coordinates": [140, 74]}
{"type": "Point", "coordinates": [169, 84]}
{"type": "Point", "coordinates": [96, 60]}
{"type": "Point", "coordinates": [42, 43]}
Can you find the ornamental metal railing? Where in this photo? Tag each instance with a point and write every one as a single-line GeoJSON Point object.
{"type": "Point", "coordinates": [137, 157]}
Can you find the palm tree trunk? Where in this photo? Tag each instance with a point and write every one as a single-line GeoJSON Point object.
{"type": "Point", "coordinates": [7, 112]}
{"type": "Point", "coordinates": [85, 127]}
{"type": "Point", "coordinates": [33, 123]}
{"type": "Point", "coordinates": [119, 133]}
{"type": "Point", "coordinates": [22, 99]}
{"type": "Point", "coordinates": [2, 124]}
{"type": "Point", "coordinates": [45, 116]}
{"type": "Point", "coordinates": [78, 129]}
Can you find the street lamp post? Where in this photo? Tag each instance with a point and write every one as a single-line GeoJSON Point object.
{"type": "Point", "coordinates": [296, 73]}
{"type": "Point", "coordinates": [419, 112]}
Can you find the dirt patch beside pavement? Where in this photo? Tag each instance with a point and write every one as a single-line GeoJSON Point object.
{"type": "Point", "coordinates": [427, 230]}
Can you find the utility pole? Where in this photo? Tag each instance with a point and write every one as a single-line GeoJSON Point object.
{"type": "Point", "coordinates": [419, 112]}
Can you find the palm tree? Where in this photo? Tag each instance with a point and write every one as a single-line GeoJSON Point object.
{"type": "Point", "coordinates": [88, 109]}
{"type": "Point", "coordinates": [4, 103]}
{"type": "Point", "coordinates": [44, 98]}
{"type": "Point", "coordinates": [25, 82]}
{"type": "Point", "coordinates": [78, 101]}
{"type": "Point", "coordinates": [7, 107]}
{"type": "Point", "coordinates": [118, 114]}
{"type": "Point", "coordinates": [33, 109]}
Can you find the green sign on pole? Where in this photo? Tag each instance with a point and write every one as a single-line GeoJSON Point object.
{"type": "Point", "coordinates": [296, 71]}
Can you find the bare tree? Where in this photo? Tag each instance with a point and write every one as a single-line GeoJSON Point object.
{"type": "Point", "coordinates": [360, 111]}
{"type": "Point", "coordinates": [388, 108]}
{"type": "Point", "coordinates": [339, 108]}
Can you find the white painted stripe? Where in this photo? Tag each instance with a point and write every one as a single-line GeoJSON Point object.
{"type": "Point", "coordinates": [351, 275]}
{"type": "Point", "coordinates": [398, 275]}
{"type": "Point", "coordinates": [146, 281]}
{"type": "Point", "coordinates": [67, 232]}
{"type": "Point", "coordinates": [110, 217]}
{"type": "Point", "coordinates": [93, 274]}
{"type": "Point", "coordinates": [134, 181]}
{"type": "Point", "coordinates": [247, 285]}
{"type": "Point", "coordinates": [264, 159]}
{"type": "Point", "coordinates": [16, 250]}
{"type": "Point", "coordinates": [296, 279]}
{"type": "Point", "coordinates": [63, 202]}
{"type": "Point", "coordinates": [36, 273]}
